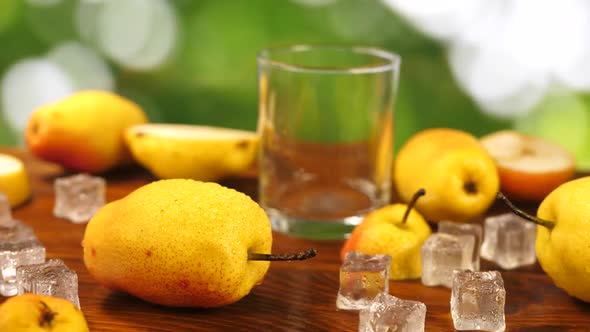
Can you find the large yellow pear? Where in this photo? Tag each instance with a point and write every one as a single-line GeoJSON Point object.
{"type": "Point", "coordinates": [179, 242]}
{"type": "Point", "coordinates": [460, 178]}
{"type": "Point", "coordinates": [193, 152]}
{"type": "Point", "coordinates": [564, 250]}
{"type": "Point", "coordinates": [39, 313]}
{"type": "Point", "coordinates": [84, 132]}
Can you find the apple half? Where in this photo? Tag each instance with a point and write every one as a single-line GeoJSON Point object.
{"type": "Point", "coordinates": [529, 167]}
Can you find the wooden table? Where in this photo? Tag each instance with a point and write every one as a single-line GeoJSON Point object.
{"type": "Point", "coordinates": [295, 296]}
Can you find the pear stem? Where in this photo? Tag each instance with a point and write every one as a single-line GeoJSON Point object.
{"type": "Point", "coordinates": [309, 253]}
{"type": "Point", "coordinates": [524, 215]}
{"type": "Point", "coordinates": [47, 316]}
{"type": "Point", "coordinates": [418, 194]}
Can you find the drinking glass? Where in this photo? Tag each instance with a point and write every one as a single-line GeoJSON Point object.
{"type": "Point", "coordinates": [326, 128]}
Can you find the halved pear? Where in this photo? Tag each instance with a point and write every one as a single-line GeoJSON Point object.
{"type": "Point", "coordinates": [14, 180]}
{"type": "Point", "coordinates": [529, 167]}
{"type": "Point", "coordinates": [193, 152]}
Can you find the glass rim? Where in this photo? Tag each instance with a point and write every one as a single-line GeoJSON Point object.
{"type": "Point", "coordinates": [393, 60]}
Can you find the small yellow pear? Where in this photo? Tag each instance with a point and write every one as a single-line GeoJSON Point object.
{"type": "Point", "coordinates": [84, 132]}
{"type": "Point", "coordinates": [459, 176]}
{"type": "Point", "coordinates": [39, 313]}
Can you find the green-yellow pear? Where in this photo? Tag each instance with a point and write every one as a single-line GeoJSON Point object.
{"type": "Point", "coordinates": [181, 242]}
{"type": "Point", "coordinates": [397, 230]}
{"type": "Point", "coordinates": [39, 313]}
{"type": "Point", "coordinates": [84, 132]}
{"type": "Point", "coordinates": [563, 235]}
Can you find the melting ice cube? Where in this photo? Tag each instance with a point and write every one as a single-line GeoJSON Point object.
{"type": "Point", "coordinates": [509, 241]}
{"type": "Point", "coordinates": [78, 197]}
{"type": "Point", "coordinates": [389, 313]}
{"type": "Point", "coordinates": [18, 246]}
{"type": "Point", "coordinates": [456, 228]}
{"type": "Point", "coordinates": [477, 301]}
{"type": "Point", "coordinates": [5, 211]}
{"type": "Point", "coordinates": [441, 254]}
{"type": "Point", "coordinates": [51, 278]}
{"type": "Point", "coordinates": [362, 277]}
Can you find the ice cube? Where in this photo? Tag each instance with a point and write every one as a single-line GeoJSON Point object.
{"type": "Point", "coordinates": [5, 211]}
{"type": "Point", "coordinates": [455, 228]}
{"type": "Point", "coordinates": [509, 241]}
{"type": "Point", "coordinates": [78, 197]}
{"type": "Point", "coordinates": [52, 278]}
{"type": "Point", "coordinates": [477, 301]}
{"type": "Point", "coordinates": [441, 254]}
{"type": "Point", "coordinates": [362, 277]}
{"type": "Point", "coordinates": [19, 247]}
{"type": "Point", "coordinates": [389, 313]}
{"type": "Point", "coordinates": [15, 231]}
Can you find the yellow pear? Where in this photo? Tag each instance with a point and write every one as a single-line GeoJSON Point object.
{"type": "Point", "coordinates": [396, 230]}
{"type": "Point", "coordinates": [181, 242]}
{"type": "Point", "coordinates": [39, 313]}
{"type": "Point", "coordinates": [14, 180]}
{"type": "Point", "coordinates": [83, 132]}
{"type": "Point", "coordinates": [459, 176]}
{"type": "Point", "coordinates": [563, 234]}
{"type": "Point", "coordinates": [194, 152]}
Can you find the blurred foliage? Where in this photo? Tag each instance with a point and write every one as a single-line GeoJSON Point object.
{"type": "Point", "coordinates": [211, 79]}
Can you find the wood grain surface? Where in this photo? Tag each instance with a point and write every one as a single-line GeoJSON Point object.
{"type": "Point", "coordinates": [295, 296]}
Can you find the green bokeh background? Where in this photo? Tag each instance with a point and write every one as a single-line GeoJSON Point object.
{"type": "Point", "coordinates": [211, 79]}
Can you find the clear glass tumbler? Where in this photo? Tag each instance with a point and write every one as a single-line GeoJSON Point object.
{"type": "Point", "coordinates": [326, 127]}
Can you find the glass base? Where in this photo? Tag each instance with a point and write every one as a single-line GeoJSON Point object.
{"type": "Point", "coordinates": [314, 229]}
